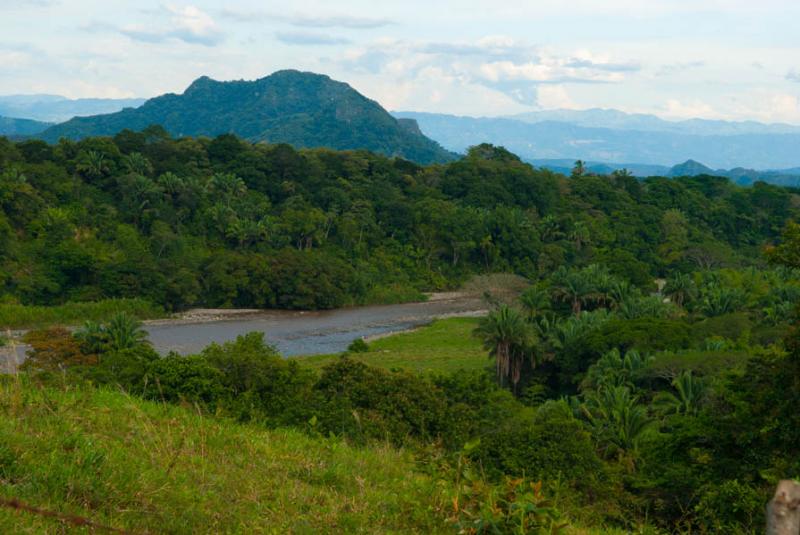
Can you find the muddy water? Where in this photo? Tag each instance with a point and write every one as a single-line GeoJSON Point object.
{"type": "Point", "coordinates": [306, 333]}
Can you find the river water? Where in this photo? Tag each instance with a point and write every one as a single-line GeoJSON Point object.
{"type": "Point", "coordinates": [293, 333]}
{"type": "Point", "coordinates": [306, 333]}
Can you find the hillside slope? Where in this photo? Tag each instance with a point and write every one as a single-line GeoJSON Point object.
{"type": "Point", "coordinates": [302, 109]}
{"type": "Point", "coordinates": [150, 468]}
{"type": "Point", "coordinates": [13, 127]}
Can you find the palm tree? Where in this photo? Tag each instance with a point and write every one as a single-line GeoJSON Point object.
{"type": "Point", "coordinates": [680, 289]}
{"type": "Point", "coordinates": [617, 419]}
{"type": "Point", "coordinates": [690, 395]}
{"type": "Point", "coordinates": [138, 164]}
{"type": "Point", "coordinates": [93, 164]}
{"type": "Point", "coordinates": [125, 332]}
{"type": "Point", "coordinates": [574, 287]}
{"type": "Point", "coordinates": [613, 369]}
{"type": "Point", "coordinates": [580, 235]}
{"type": "Point", "coordinates": [509, 338]}
{"type": "Point", "coordinates": [535, 301]}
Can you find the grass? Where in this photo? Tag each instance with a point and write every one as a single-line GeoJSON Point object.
{"type": "Point", "coordinates": [14, 316]}
{"type": "Point", "coordinates": [444, 346]}
{"type": "Point", "coordinates": [151, 468]}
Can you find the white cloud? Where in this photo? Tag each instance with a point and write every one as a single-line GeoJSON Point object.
{"type": "Point", "coordinates": [186, 23]}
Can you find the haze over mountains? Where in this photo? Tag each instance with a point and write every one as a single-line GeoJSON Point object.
{"type": "Point", "coordinates": [56, 109]}
{"type": "Point", "coordinates": [759, 146]}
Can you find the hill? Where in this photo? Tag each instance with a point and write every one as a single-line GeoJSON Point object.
{"type": "Point", "coordinates": [122, 462]}
{"type": "Point", "coordinates": [302, 109]}
{"type": "Point", "coordinates": [21, 127]}
{"type": "Point", "coordinates": [565, 140]}
{"type": "Point", "coordinates": [56, 109]}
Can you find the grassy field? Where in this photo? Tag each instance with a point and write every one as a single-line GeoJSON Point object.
{"type": "Point", "coordinates": [150, 468]}
{"type": "Point", "coordinates": [13, 316]}
{"type": "Point", "coordinates": [444, 346]}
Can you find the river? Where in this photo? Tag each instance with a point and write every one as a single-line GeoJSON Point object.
{"type": "Point", "coordinates": [293, 333]}
{"type": "Point", "coordinates": [307, 333]}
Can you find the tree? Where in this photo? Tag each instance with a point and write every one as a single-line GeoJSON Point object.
{"type": "Point", "coordinates": [575, 287]}
{"type": "Point", "coordinates": [617, 419]}
{"type": "Point", "coordinates": [535, 300]}
{"type": "Point", "coordinates": [690, 390]}
{"type": "Point", "coordinates": [579, 169]}
{"type": "Point", "coordinates": [121, 332]}
{"type": "Point", "coordinates": [788, 252]}
{"type": "Point", "coordinates": [680, 288]}
{"type": "Point", "coordinates": [509, 338]}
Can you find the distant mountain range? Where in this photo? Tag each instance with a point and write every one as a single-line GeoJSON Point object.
{"type": "Point", "coordinates": [56, 109]}
{"type": "Point", "coordinates": [303, 109]}
{"type": "Point", "coordinates": [739, 175]}
{"type": "Point", "coordinates": [722, 145]}
{"type": "Point", "coordinates": [618, 120]}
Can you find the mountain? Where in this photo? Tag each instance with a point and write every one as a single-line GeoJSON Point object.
{"type": "Point", "coordinates": [21, 127]}
{"type": "Point", "coordinates": [738, 175]}
{"type": "Point", "coordinates": [303, 109]}
{"type": "Point", "coordinates": [618, 120]}
{"type": "Point", "coordinates": [563, 140]}
{"type": "Point", "coordinates": [56, 109]}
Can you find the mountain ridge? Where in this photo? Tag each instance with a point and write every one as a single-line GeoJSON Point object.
{"type": "Point", "coordinates": [300, 108]}
{"type": "Point", "coordinates": [559, 140]}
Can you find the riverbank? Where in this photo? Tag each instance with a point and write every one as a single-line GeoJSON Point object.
{"type": "Point", "coordinates": [442, 346]}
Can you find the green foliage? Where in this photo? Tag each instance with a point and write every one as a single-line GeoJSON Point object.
{"type": "Point", "coordinates": [304, 109]}
{"type": "Point", "coordinates": [105, 456]}
{"type": "Point", "coordinates": [15, 316]}
{"type": "Point", "coordinates": [368, 403]}
{"type": "Point", "coordinates": [358, 346]}
{"type": "Point", "coordinates": [510, 341]}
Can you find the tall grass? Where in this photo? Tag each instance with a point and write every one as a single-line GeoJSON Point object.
{"type": "Point", "coordinates": [14, 316]}
{"type": "Point", "coordinates": [151, 468]}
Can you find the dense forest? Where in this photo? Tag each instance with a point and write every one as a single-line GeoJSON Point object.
{"type": "Point", "coordinates": [646, 377]}
{"type": "Point", "coordinates": [189, 222]}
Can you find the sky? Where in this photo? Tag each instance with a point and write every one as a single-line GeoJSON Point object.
{"type": "Point", "coordinates": [715, 59]}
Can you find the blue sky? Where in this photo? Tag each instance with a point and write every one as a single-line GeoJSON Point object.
{"type": "Point", "coordinates": [726, 59]}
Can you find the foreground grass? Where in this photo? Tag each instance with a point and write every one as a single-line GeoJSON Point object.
{"type": "Point", "coordinates": [444, 346]}
{"type": "Point", "coordinates": [13, 316]}
{"type": "Point", "coordinates": [147, 467]}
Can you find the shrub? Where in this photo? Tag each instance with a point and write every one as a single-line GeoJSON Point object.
{"type": "Point", "coordinates": [54, 350]}
{"type": "Point", "coordinates": [262, 385]}
{"type": "Point", "coordinates": [176, 378]}
{"type": "Point", "coordinates": [358, 346]}
{"type": "Point", "coordinates": [361, 402]}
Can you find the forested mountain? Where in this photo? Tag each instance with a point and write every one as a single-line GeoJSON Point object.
{"type": "Point", "coordinates": [21, 127]}
{"type": "Point", "coordinates": [56, 109]}
{"type": "Point", "coordinates": [302, 109]}
{"type": "Point", "coordinates": [224, 222]}
{"type": "Point", "coordinates": [565, 140]}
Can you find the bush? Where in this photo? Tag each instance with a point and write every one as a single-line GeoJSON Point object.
{"type": "Point", "coordinates": [546, 445]}
{"type": "Point", "coordinates": [358, 346]}
{"type": "Point", "coordinates": [193, 379]}
{"type": "Point", "coordinates": [360, 402]}
{"type": "Point", "coordinates": [262, 385]}
{"type": "Point", "coordinates": [731, 507]}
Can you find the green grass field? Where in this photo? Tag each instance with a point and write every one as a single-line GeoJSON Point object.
{"type": "Point", "coordinates": [444, 346]}
{"type": "Point", "coordinates": [13, 316]}
{"type": "Point", "coordinates": [150, 468]}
